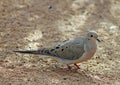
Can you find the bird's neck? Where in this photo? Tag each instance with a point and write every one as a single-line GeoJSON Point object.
{"type": "Point", "coordinates": [92, 46]}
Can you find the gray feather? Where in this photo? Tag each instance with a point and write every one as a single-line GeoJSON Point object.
{"type": "Point", "coordinates": [43, 51]}
{"type": "Point", "coordinates": [68, 49]}
{"type": "Point", "coordinates": [74, 50]}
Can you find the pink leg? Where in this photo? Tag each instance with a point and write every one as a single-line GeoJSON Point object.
{"type": "Point", "coordinates": [77, 66]}
{"type": "Point", "coordinates": [68, 68]}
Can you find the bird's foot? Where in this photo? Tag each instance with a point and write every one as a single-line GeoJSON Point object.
{"type": "Point", "coordinates": [77, 66]}
{"type": "Point", "coordinates": [69, 68]}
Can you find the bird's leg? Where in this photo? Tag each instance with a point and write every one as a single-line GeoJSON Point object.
{"type": "Point", "coordinates": [77, 66]}
{"type": "Point", "coordinates": [83, 70]}
{"type": "Point", "coordinates": [68, 68]}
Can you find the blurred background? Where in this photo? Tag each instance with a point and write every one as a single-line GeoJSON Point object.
{"type": "Point", "coordinates": [33, 24]}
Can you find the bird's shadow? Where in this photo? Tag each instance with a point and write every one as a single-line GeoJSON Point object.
{"type": "Point", "coordinates": [76, 73]}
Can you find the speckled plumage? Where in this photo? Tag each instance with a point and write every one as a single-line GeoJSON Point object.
{"type": "Point", "coordinates": [71, 51]}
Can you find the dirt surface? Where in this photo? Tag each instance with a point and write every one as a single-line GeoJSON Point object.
{"type": "Point", "coordinates": [33, 24]}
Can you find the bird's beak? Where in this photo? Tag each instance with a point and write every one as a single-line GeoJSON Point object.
{"type": "Point", "coordinates": [98, 40]}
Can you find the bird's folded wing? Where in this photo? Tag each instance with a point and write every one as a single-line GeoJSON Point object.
{"type": "Point", "coordinates": [69, 50]}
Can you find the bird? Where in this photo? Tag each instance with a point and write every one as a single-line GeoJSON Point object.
{"type": "Point", "coordinates": [70, 51]}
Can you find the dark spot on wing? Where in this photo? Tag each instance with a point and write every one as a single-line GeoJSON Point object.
{"type": "Point", "coordinates": [52, 49]}
{"type": "Point", "coordinates": [66, 47]}
{"type": "Point", "coordinates": [57, 47]}
{"type": "Point", "coordinates": [47, 51]}
{"type": "Point", "coordinates": [62, 49]}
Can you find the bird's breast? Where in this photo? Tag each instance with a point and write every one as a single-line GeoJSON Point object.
{"type": "Point", "coordinates": [90, 49]}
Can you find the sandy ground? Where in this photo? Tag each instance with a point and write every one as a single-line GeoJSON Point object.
{"type": "Point", "coordinates": [32, 24]}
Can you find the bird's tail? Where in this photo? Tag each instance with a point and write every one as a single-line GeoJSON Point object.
{"type": "Point", "coordinates": [40, 51]}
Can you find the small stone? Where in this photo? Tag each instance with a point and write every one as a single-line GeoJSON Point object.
{"type": "Point", "coordinates": [64, 78]}
{"type": "Point", "coordinates": [113, 29]}
{"type": "Point", "coordinates": [49, 7]}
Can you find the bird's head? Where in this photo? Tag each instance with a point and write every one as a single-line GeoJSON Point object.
{"type": "Point", "coordinates": [93, 35]}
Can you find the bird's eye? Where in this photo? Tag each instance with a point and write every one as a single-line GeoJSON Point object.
{"type": "Point", "coordinates": [91, 35]}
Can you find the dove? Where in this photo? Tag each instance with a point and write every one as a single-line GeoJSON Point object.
{"type": "Point", "coordinates": [71, 51]}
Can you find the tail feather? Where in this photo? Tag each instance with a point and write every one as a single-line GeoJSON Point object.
{"type": "Point", "coordinates": [27, 51]}
{"type": "Point", "coordinates": [43, 51]}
